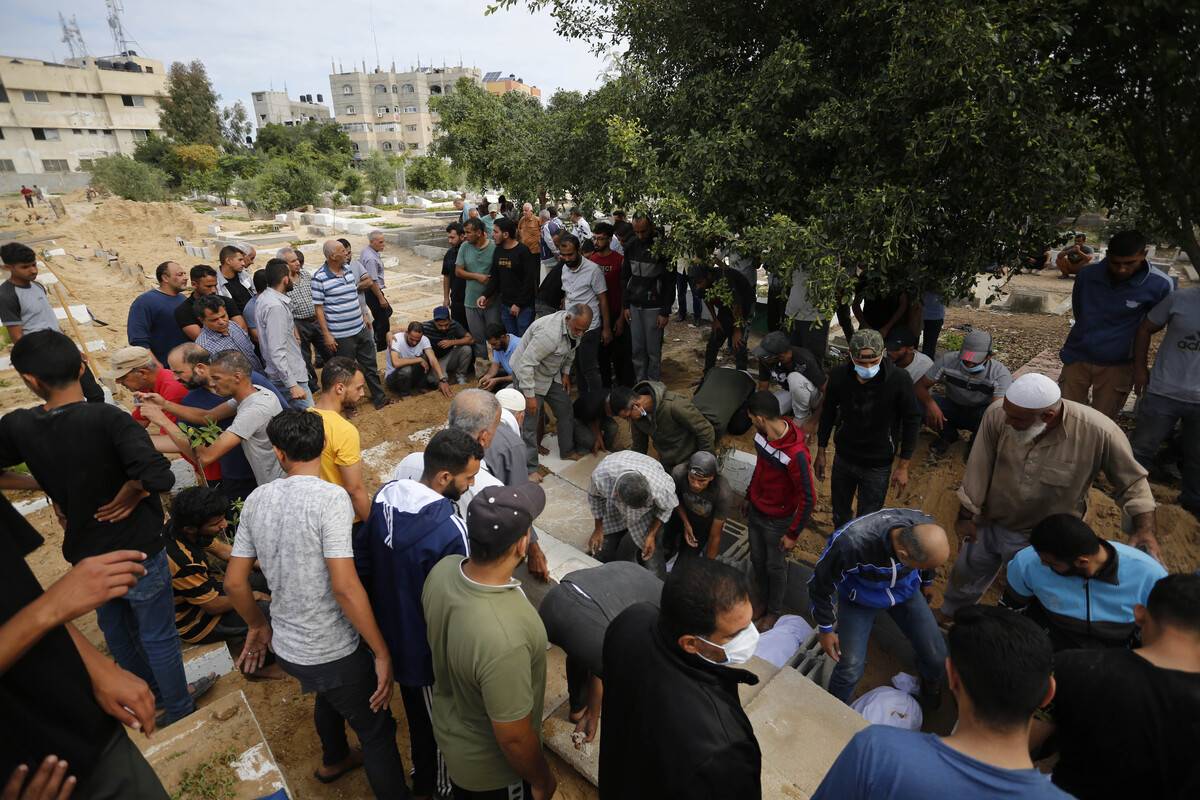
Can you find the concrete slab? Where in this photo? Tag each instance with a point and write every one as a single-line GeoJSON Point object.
{"type": "Point", "coordinates": [556, 735]}
{"type": "Point", "coordinates": [765, 671]}
{"type": "Point", "coordinates": [556, 681]}
{"type": "Point", "coordinates": [226, 738]}
{"type": "Point", "coordinates": [566, 515]}
{"type": "Point", "coordinates": [204, 659]}
{"type": "Point", "coordinates": [80, 314]}
{"type": "Point", "coordinates": [737, 467]}
{"type": "Point", "coordinates": [1045, 363]}
{"type": "Point", "coordinates": [579, 473]}
{"type": "Point", "coordinates": [791, 709]}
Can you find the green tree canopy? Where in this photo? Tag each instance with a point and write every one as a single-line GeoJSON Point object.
{"type": "Point", "coordinates": [129, 178]}
{"type": "Point", "coordinates": [189, 109]}
{"type": "Point", "coordinates": [323, 145]}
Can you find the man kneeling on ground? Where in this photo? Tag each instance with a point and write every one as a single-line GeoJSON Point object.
{"type": "Point", "coordinates": [412, 363]}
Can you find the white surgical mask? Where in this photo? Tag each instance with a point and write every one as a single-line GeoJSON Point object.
{"type": "Point", "coordinates": [738, 649]}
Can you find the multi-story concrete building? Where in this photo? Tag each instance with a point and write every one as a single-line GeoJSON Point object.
{"type": "Point", "coordinates": [389, 111]}
{"type": "Point", "coordinates": [277, 108]}
{"type": "Point", "coordinates": [59, 117]}
{"type": "Point", "coordinates": [496, 83]}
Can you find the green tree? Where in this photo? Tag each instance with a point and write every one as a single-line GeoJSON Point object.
{"type": "Point", "coordinates": [379, 173]}
{"type": "Point", "coordinates": [129, 178]}
{"type": "Point", "coordinates": [499, 141]}
{"type": "Point", "coordinates": [283, 183]}
{"type": "Point", "coordinates": [1136, 70]}
{"type": "Point", "coordinates": [322, 144]}
{"type": "Point", "coordinates": [353, 186]}
{"type": "Point", "coordinates": [160, 153]}
{"type": "Point", "coordinates": [189, 108]}
{"type": "Point", "coordinates": [918, 140]}
{"type": "Point", "coordinates": [235, 127]}
{"type": "Point", "coordinates": [428, 172]}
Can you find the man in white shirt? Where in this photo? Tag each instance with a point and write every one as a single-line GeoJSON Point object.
{"type": "Point", "coordinates": [412, 363]}
{"type": "Point", "coordinates": [901, 346]}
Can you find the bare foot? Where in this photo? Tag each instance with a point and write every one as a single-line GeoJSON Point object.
{"type": "Point", "coordinates": [535, 477]}
{"type": "Point", "coordinates": [575, 716]}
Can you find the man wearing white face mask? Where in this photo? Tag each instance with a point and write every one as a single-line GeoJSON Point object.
{"type": "Point", "coordinates": [673, 724]}
{"type": "Point", "coordinates": [869, 399]}
{"type": "Point", "coordinates": [972, 380]}
{"type": "Point", "coordinates": [1037, 454]}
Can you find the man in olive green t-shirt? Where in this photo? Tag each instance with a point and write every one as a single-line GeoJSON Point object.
{"type": "Point", "coordinates": [489, 654]}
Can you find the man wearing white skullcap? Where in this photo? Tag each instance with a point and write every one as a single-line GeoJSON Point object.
{"type": "Point", "coordinates": [1037, 454]}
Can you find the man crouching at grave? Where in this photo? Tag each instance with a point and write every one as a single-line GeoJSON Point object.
{"type": "Point", "coordinates": [203, 614]}
{"type": "Point", "coordinates": [882, 561]}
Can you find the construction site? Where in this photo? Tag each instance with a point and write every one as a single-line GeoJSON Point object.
{"type": "Point", "coordinates": [253, 739]}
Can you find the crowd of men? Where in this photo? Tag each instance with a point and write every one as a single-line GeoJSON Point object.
{"type": "Point", "coordinates": [285, 552]}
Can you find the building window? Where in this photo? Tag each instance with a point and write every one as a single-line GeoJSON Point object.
{"type": "Point", "coordinates": [395, 89]}
{"type": "Point", "coordinates": [108, 132]}
{"type": "Point", "coordinates": [259, 97]}
{"type": "Point", "coordinates": [141, 136]}
{"type": "Point", "coordinates": [55, 165]}
{"type": "Point", "coordinates": [380, 89]}
{"type": "Point", "coordinates": [93, 132]}
{"type": "Point", "coordinates": [410, 109]}
{"type": "Point", "coordinates": [354, 146]}
{"type": "Point", "coordinates": [133, 100]}
{"type": "Point", "coordinates": [96, 97]}
{"type": "Point", "coordinates": [411, 127]}
{"type": "Point", "coordinates": [412, 146]}
{"type": "Point", "coordinates": [4, 97]}
{"type": "Point", "coordinates": [263, 117]}
{"type": "Point", "coordinates": [435, 89]}
{"type": "Point", "coordinates": [347, 89]}
{"type": "Point", "coordinates": [408, 88]}
{"type": "Point", "coordinates": [7, 165]}
{"type": "Point", "coordinates": [35, 97]}
{"type": "Point", "coordinates": [77, 131]}
{"type": "Point", "coordinates": [1, 133]}
{"type": "Point", "coordinates": [381, 111]}
{"type": "Point", "coordinates": [86, 164]}
{"type": "Point", "coordinates": [387, 145]}
{"type": "Point", "coordinates": [349, 109]}
{"type": "Point", "coordinates": [45, 134]}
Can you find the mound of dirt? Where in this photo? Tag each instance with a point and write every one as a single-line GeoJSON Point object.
{"type": "Point", "coordinates": [125, 218]}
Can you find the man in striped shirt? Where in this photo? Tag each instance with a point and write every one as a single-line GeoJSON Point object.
{"type": "Point", "coordinates": [340, 316]}
{"type": "Point", "coordinates": [217, 335]}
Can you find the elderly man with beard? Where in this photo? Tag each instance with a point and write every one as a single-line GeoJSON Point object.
{"type": "Point", "coordinates": [1037, 454]}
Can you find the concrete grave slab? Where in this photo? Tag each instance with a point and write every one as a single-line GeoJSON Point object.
{"type": "Point", "coordinates": [227, 725]}
{"type": "Point", "coordinates": [579, 473]}
{"type": "Point", "coordinates": [566, 515]}
{"type": "Point", "coordinates": [205, 659]}
{"type": "Point", "coordinates": [27, 507]}
{"type": "Point", "coordinates": [556, 681]}
{"type": "Point", "coordinates": [789, 710]}
{"type": "Point", "coordinates": [79, 313]}
{"type": "Point", "coordinates": [765, 671]}
{"type": "Point", "coordinates": [556, 735]}
{"type": "Point", "coordinates": [1045, 363]}
{"type": "Point", "coordinates": [737, 467]}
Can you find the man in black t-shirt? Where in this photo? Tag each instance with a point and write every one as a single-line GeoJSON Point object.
{"type": "Point", "coordinates": [1125, 721]}
{"type": "Point", "coordinates": [454, 288]}
{"type": "Point", "coordinates": [204, 283]}
{"type": "Point", "coordinates": [59, 697]}
{"type": "Point", "coordinates": [104, 476]}
{"type": "Point", "coordinates": [514, 276]}
{"type": "Point", "coordinates": [731, 307]}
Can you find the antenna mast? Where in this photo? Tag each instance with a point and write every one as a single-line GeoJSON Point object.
{"type": "Point", "coordinates": [72, 37]}
{"type": "Point", "coordinates": [121, 39]}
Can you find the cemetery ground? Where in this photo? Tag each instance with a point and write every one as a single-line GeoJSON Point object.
{"type": "Point", "coordinates": [146, 234]}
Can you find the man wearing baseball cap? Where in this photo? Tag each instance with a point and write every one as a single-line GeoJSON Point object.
{"type": "Point", "coordinates": [451, 343]}
{"type": "Point", "coordinates": [972, 381]}
{"type": "Point", "coordinates": [705, 501]}
{"type": "Point", "coordinates": [869, 399]}
{"type": "Point", "coordinates": [136, 370]}
{"type": "Point", "coordinates": [901, 346]}
{"type": "Point", "coordinates": [1037, 454]}
{"type": "Point", "coordinates": [795, 370]}
{"type": "Point", "coordinates": [489, 678]}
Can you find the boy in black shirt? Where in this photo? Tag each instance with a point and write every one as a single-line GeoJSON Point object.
{"type": "Point", "coordinates": [454, 288]}
{"type": "Point", "coordinates": [103, 474]}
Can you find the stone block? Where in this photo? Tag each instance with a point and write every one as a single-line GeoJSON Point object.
{"type": "Point", "coordinates": [556, 681]}
{"type": "Point", "coordinates": [214, 229]}
{"type": "Point", "coordinates": [1045, 363]}
{"type": "Point", "coordinates": [342, 225]}
{"type": "Point", "coordinates": [556, 735]}
{"type": "Point", "coordinates": [579, 473]}
{"type": "Point", "coordinates": [429, 251]}
{"type": "Point", "coordinates": [566, 515]}
{"type": "Point", "coordinates": [57, 251]}
{"type": "Point", "coordinates": [801, 729]}
{"type": "Point", "coordinates": [765, 671]}
{"type": "Point", "coordinates": [204, 659]}
{"type": "Point", "coordinates": [358, 228]}
{"type": "Point", "coordinates": [225, 726]}
{"type": "Point", "coordinates": [737, 467]}
{"type": "Point", "coordinates": [281, 217]}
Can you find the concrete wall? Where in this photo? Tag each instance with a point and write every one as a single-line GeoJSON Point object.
{"type": "Point", "coordinates": [54, 182]}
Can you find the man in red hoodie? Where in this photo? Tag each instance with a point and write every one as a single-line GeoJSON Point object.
{"type": "Point", "coordinates": [779, 501]}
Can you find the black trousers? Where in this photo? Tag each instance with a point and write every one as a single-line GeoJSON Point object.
{"type": "Point", "coordinates": [929, 336]}
{"type": "Point", "coordinates": [429, 769]}
{"type": "Point", "coordinates": [616, 360]}
{"type": "Point", "coordinates": [587, 362]}
{"type": "Point", "coordinates": [361, 348]}
{"type": "Point", "coordinates": [381, 321]}
{"type": "Point", "coordinates": [312, 346]}
{"type": "Point", "coordinates": [718, 338]}
{"type": "Point", "coordinates": [121, 772]}
{"type": "Point", "coordinates": [848, 479]}
{"type": "Point", "coordinates": [518, 791]}
{"type": "Point", "coordinates": [813, 336]}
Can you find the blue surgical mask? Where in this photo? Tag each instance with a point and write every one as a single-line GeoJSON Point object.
{"type": "Point", "coordinates": [866, 373]}
{"type": "Point", "coordinates": [975, 369]}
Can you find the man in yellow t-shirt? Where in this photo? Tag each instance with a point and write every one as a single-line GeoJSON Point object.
{"type": "Point", "coordinates": [342, 387]}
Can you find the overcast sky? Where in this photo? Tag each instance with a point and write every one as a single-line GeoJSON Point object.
{"type": "Point", "coordinates": [249, 45]}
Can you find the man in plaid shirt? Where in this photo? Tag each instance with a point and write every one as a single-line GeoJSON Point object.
{"type": "Point", "coordinates": [217, 334]}
{"type": "Point", "coordinates": [631, 497]}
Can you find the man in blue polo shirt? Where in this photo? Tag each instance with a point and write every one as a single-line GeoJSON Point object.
{"type": "Point", "coordinates": [1109, 301]}
{"type": "Point", "coordinates": [1079, 587]}
{"type": "Point", "coordinates": [503, 345]}
{"type": "Point", "coordinates": [344, 329]}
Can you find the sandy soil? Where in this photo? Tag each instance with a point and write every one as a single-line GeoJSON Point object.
{"type": "Point", "coordinates": [145, 234]}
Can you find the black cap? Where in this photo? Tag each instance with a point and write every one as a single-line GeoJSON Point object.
{"type": "Point", "coordinates": [774, 344]}
{"type": "Point", "coordinates": [503, 514]}
{"type": "Point", "coordinates": [900, 337]}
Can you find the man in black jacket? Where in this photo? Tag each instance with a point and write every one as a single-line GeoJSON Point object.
{"type": "Point", "coordinates": [868, 399]}
{"type": "Point", "coordinates": [673, 724]}
{"type": "Point", "coordinates": [647, 297]}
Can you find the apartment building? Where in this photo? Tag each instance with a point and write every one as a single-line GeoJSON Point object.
{"type": "Point", "coordinates": [59, 117]}
{"type": "Point", "coordinates": [496, 83]}
{"type": "Point", "coordinates": [279, 109]}
{"type": "Point", "coordinates": [387, 110]}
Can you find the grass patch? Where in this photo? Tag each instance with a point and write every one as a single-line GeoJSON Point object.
{"type": "Point", "coordinates": [299, 242]}
{"type": "Point", "coordinates": [362, 216]}
{"type": "Point", "coordinates": [212, 779]}
{"type": "Point", "coordinates": [951, 341]}
{"type": "Point", "coordinates": [393, 225]}
{"type": "Point", "coordinates": [203, 209]}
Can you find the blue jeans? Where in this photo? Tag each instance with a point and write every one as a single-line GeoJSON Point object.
{"type": "Point", "coordinates": [959, 418]}
{"type": "Point", "coordinates": [516, 325]}
{"type": "Point", "coordinates": [854, 629]}
{"type": "Point", "coordinates": [141, 635]}
{"type": "Point", "coordinates": [681, 286]}
{"type": "Point", "coordinates": [1156, 419]}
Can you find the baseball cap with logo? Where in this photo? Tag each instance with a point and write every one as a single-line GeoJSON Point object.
{"type": "Point", "coordinates": [976, 346]}
{"type": "Point", "coordinates": [500, 515]}
{"type": "Point", "coordinates": [126, 360]}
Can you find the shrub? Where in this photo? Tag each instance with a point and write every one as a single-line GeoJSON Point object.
{"type": "Point", "coordinates": [133, 180]}
{"type": "Point", "coordinates": [282, 184]}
